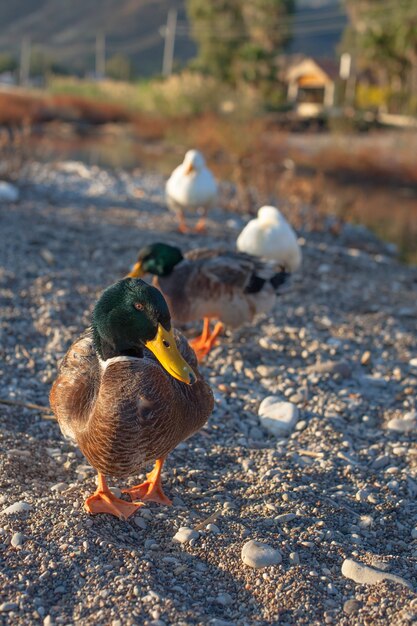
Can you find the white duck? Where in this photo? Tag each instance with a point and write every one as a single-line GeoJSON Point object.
{"type": "Point", "coordinates": [191, 186]}
{"type": "Point", "coordinates": [271, 237]}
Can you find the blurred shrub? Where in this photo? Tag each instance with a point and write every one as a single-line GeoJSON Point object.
{"type": "Point", "coordinates": [119, 67]}
{"type": "Point", "coordinates": [182, 94]}
{"type": "Point", "coordinates": [372, 96]}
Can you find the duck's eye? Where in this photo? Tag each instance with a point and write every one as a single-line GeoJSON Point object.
{"type": "Point", "coordinates": [138, 306]}
{"type": "Point", "coordinates": [166, 343]}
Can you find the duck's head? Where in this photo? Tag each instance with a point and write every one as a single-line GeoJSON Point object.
{"type": "Point", "coordinates": [158, 259]}
{"type": "Point", "coordinates": [193, 162]}
{"type": "Point", "coordinates": [132, 315]}
{"type": "Point", "coordinates": [269, 215]}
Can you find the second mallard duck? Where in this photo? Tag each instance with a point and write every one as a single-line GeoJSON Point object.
{"type": "Point", "coordinates": [230, 287]}
{"type": "Point", "coordinates": [128, 392]}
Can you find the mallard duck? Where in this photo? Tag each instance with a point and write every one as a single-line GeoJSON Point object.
{"type": "Point", "coordinates": [128, 392]}
{"type": "Point", "coordinates": [270, 236]}
{"type": "Point", "coordinates": [190, 187]}
{"type": "Point", "coordinates": [230, 287]}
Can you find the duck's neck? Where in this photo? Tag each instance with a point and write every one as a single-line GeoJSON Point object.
{"type": "Point", "coordinates": [107, 350]}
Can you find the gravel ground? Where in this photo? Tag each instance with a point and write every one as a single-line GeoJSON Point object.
{"type": "Point", "coordinates": [340, 347]}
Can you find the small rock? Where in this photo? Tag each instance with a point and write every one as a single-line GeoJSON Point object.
{"type": "Point", "coordinates": [17, 507]}
{"type": "Point", "coordinates": [413, 362]}
{"type": "Point", "coordinates": [351, 606]}
{"type": "Point", "coordinates": [294, 558]}
{"type": "Point", "coordinates": [258, 555]}
{"type": "Point", "coordinates": [59, 487]}
{"type": "Point", "coordinates": [224, 599]}
{"type": "Point", "coordinates": [17, 540]}
{"type": "Point", "coordinates": [406, 424]}
{"type": "Point", "coordinates": [414, 533]}
{"type": "Point", "coordinates": [285, 517]}
{"type": "Point", "coordinates": [8, 606]}
{"type": "Point", "coordinates": [365, 575]}
{"type": "Point", "coordinates": [365, 360]}
{"type": "Point", "coordinates": [212, 528]}
{"type": "Point", "coordinates": [185, 535]}
{"type": "Point", "coordinates": [276, 416]}
{"type": "Point", "coordinates": [140, 522]}
{"type": "Point", "coordinates": [8, 192]}
{"type": "Point", "coordinates": [340, 368]}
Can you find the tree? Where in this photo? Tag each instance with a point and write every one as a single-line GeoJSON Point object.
{"type": "Point", "coordinates": [240, 40]}
{"type": "Point", "coordinates": [383, 36]}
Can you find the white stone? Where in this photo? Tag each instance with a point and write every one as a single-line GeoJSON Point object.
{"type": "Point", "coordinates": [406, 424]}
{"type": "Point", "coordinates": [17, 540]}
{"type": "Point", "coordinates": [414, 533]}
{"type": "Point", "coordinates": [8, 192]}
{"type": "Point", "coordinates": [17, 507]}
{"type": "Point", "coordinates": [212, 528]}
{"type": "Point", "coordinates": [278, 417]}
{"type": "Point", "coordinates": [413, 362]}
{"type": "Point", "coordinates": [365, 575]}
{"type": "Point", "coordinates": [184, 535]}
{"type": "Point", "coordinates": [59, 487]}
{"type": "Point", "coordinates": [258, 555]}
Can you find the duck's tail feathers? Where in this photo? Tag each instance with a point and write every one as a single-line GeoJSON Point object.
{"type": "Point", "coordinates": [279, 279]}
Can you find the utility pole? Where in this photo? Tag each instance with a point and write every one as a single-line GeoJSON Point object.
{"type": "Point", "coordinates": [24, 66]}
{"type": "Point", "coordinates": [169, 44]}
{"type": "Point", "coordinates": [100, 56]}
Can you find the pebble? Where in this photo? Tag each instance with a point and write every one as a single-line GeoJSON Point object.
{"type": "Point", "coordinates": [185, 535]}
{"type": "Point", "coordinates": [340, 368]}
{"type": "Point", "coordinates": [8, 606]}
{"type": "Point", "coordinates": [258, 555]}
{"type": "Point", "coordinates": [278, 417]}
{"type": "Point", "coordinates": [8, 192]}
{"type": "Point", "coordinates": [414, 533]}
{"type": "Point", "coordinates": [59, 487]}
{"type": "Point", "coordinates": [285, 517]}
{"type": "Point", "coordinates": [365, 575]}
{"type": "Point", "coordinates": [351, 606]}
{"type": "Point", "coordinates": [212, 528]}
{"type": "Point", "coordinates": [406, 424]}
{"type": "Point", "coordinates": [413, 362]}
{"type": "Point", "coordinates": [17, 540]}
{"type": "Point", "coordinates": [17, 507]}
{"type": "Point", "coordinates": [224, 599]}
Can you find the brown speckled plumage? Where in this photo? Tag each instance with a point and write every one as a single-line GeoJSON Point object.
{"type": "Point", "coordinates": [217, 284]}
{"type": "Point", "coordinates": [127, 411]}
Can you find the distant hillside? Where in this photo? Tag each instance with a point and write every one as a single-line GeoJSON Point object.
{"type": "Point", "coordinates": [66, 30]}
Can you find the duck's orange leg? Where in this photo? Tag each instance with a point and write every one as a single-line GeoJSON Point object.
{"type": "Point", "coordinates": [200, 227]}
{"type": "Point", "coordinates": [200, 341]}
{"type": "Point", "coordinates": [103, 501]}
{"type": "Point", "coordinates": [151, 489]}
{"type": "Point", "coordinates": [182, 224]}
{"type": "Point", "coordinates": [202, 348]}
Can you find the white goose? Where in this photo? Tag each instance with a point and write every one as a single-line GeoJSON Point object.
{"type": "Point", "coordinates": [191, 186]}
{"type": "Point", "coordinates": [271, 237]}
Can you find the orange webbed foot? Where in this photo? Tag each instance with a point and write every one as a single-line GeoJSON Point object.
{"type": "Point", "coordinates": [202, 345]}
{"type": "Point", "coordinates": [148, 490]}
{"type": "Point", "coordinates": [201, 226]}
{"type": "Point", "coordinates": [106, 502]}
{"type": "Point", "coordinates": [151, 489]}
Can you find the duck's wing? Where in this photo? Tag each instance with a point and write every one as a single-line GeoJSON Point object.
{"type": "Point", "coordinates": [231, 270]}
{"type": "Point", "coordinates": [75, 389]}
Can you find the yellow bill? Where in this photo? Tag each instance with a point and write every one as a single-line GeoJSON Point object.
{"type": "Point", "coordinates": [136, 271]}
{"type": "Point", "coordinates": [165, 349]}
{"type": "Point", "coordinates": [189, 169]}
